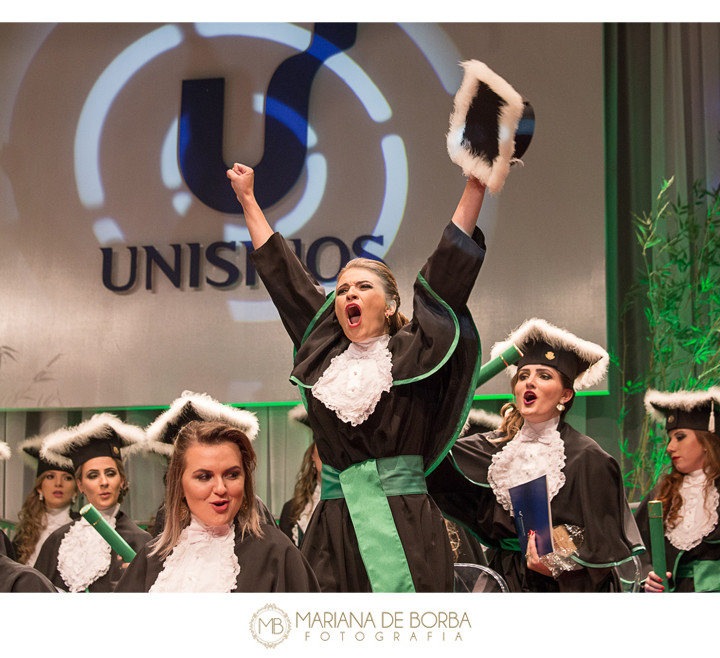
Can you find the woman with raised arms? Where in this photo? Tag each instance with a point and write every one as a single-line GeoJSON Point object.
{"type": "Point", "coordinates": [386, 397]}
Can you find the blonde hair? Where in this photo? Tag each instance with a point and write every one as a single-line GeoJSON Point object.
{"type": "Point", "coordinates": [397, 320]}
{"type": "Point", "coordinates": [177, 512]}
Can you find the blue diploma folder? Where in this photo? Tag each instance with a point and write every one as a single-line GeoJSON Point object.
{"type": "Point", "coordinates": [531, 506]}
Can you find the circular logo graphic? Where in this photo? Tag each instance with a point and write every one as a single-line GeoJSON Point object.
{"type": "Point", "coordinates": [270, 626]}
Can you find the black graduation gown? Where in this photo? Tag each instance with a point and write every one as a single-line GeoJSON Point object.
{"type": "Point", "coordinates": [435, 359]}
{"type": "Point", "coordinates": [287, 526]}
{"type": "Point", "coordinates": [73, 515]}
{"type": "Point", "coordinates": [47, 561]}
{"type": "Point", "coordinates": [470, 549]}
{"type": "Point", "coordinates": [592, 498]}
{"type": "Point", "coordinates": [20, 578]}
{"type": "Point", "coordinates": [270, 563]}
{"type": "Point", "coordinates": [704, 558]}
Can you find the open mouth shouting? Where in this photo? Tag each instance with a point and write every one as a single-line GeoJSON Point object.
{"type": "Point", "coordinates": [220, 506]}
{"type": "Point", "coordinates": [354, 315]}
{"type": "Point", "coordinates": [529, 398]}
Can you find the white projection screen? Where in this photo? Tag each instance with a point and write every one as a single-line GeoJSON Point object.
{"type": "Point", "coordinates": [121, 286]}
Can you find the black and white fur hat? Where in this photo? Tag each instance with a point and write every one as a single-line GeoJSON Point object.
{"type": "Point", "coordinates": [491, 126]}
{"type": "Point", "coordinates": [4, 451]}
{"type": "Point", "coordinates": [162, 432]}
{"type": "Point", "coordinates": [694, 410]}
{"type": "Point", "coordinates": [31, 454]}
{"type": "Point", "coordinates": [480, 421]}
{"type": "Point", "coordinates": [102, 435]}
{"type": "Point", "coordinates": [584, 363]}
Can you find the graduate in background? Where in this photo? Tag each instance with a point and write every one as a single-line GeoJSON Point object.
{"type": "Point", "coordinates": [594, 527]}
{"type": "Point", "coordinates": [75, 557]}
{"type": "Point", "coordinates": [688, 492]}
{"type": "Point", "coordinates": [297, 511]}
{"type": "Point", "coordinates": [47, 506]}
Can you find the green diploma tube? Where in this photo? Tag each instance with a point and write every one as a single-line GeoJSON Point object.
{"type": "Point", "coordinates": [108, 533]}
{"type": "Point", "coordinates": [657, 537]}
{"type": "Point", "coordinates": [511, 355]}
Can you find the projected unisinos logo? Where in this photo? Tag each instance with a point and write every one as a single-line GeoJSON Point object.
{"type": "Point", "coordinates": [193, 169]}
{"type": "Point", "coordinates": [286, 125]}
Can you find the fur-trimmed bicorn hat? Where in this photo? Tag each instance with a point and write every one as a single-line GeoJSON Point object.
{"type": "Point", "coordinates": [4, 451]}
{"type": "Point", "coordinates": [31, 449]}
{"type": "Point", "coordinates": [102, 435]}
{"type": "Point", "coordinates": [163, 431]}
{"type": "Point", "coordinates": [582, 362]}
{"type": "Point", "coordinates": [491, 126]}
{"type": "Point", "coordinates": [692, 410]}
{"type": "Point", "coordinates": [480, 421]}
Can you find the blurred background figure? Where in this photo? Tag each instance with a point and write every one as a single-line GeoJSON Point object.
{"type": "Point", "coordinates": [47, 506]}
{"type": "Point", "coordinates": [75, 557]}
{"type": "Point", "coordinates": [297, 511]}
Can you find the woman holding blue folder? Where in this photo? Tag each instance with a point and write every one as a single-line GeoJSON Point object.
{"type": "Point", "coordinates": [688, 493]}
{"type": "Point", "coordinates": [593, 528]}
{"type": "Point", "coordinates": [75, 557]}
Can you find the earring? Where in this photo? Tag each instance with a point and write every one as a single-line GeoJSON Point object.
{"type": "Point", "coordinates": [560, 407]}
{"type": "Point", "coordinates": [40, 496]}
{"type": "Point", "coordinates": [74, 499]}
{"type": "Point", "coordinates": [387, 319]}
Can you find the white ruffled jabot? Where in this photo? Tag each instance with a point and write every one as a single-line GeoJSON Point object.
{"type": "Point", "coordinates": [84, 556]}
{"type": "Point", "coordinates": [354, 381]}
{"type": "Point", "coordinates": [54, 519]}
{"type": "Point", "coordinates": [203, 560]}
{"type": "Point", "coordinates": [698, 515]}
{"type": "Point", "coordinates": [535, 450]}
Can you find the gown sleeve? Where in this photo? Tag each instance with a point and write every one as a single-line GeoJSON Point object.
{"type": "Point", "coordinates": [292, 288]}
{"type": "Point", "coordinates": [46, 562]}
{"type": "Point", "coordinates": [141, 573]}
{"type": "Point", "coordinates": [20, 578]}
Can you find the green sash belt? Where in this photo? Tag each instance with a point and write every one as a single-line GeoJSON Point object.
{"type": "Point", "coordinates": [365, 488]}
{"type": "Point", "coordinates": [705, 573]}
{"type": "Point", "coordinates": [510, 544]}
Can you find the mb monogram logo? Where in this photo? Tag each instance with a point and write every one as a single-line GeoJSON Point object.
{"type": "Point", "coordinates": [270, 626]}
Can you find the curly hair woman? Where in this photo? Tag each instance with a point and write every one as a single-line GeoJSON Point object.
{"type": "Point", "coordinates": [688, 492]}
